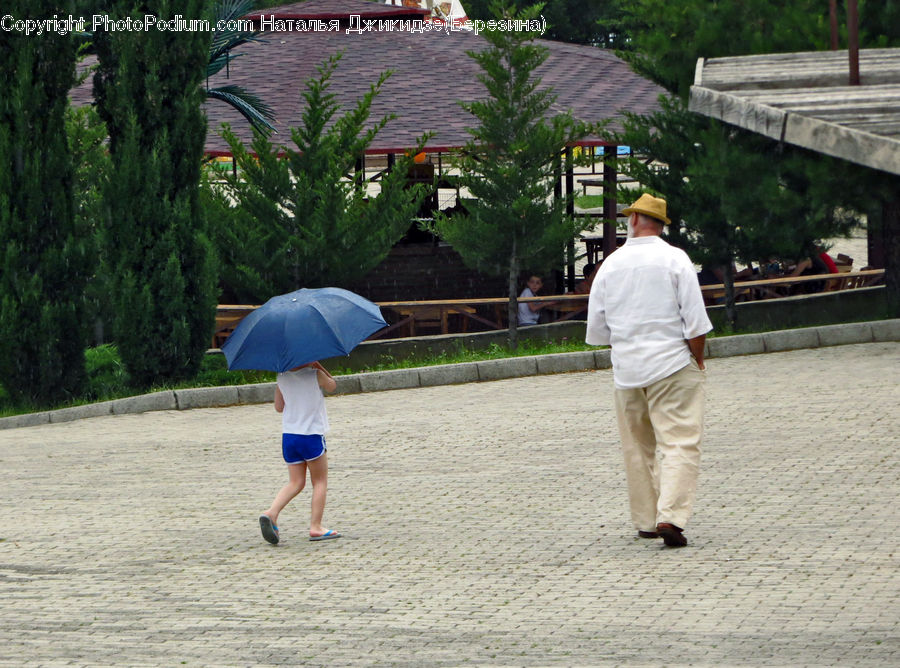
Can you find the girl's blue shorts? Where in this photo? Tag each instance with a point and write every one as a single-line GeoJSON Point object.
{"type": "Point", "coordinates": [300, 448]}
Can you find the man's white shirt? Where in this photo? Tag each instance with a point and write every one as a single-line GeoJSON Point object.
{"type": "Point", "coordinates": [645, 302]}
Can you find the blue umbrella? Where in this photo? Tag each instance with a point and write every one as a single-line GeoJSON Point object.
{"type": "Point", "coordinates": [300, 327]}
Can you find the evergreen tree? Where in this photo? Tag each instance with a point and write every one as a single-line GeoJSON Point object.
{"type": "Point", "coordinates": [734, 195]}
{"type": "Point", "coordinates": [44, 256]}
{"type": "Point", "coordinates": [148, 90]}
{"type": "Point", "coordinates": [292, 218]}
{"type": "Point", "coordinates": [509, 166]}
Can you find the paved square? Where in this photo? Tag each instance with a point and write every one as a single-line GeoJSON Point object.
{"type": "Point", "coordinates": [486, 524]}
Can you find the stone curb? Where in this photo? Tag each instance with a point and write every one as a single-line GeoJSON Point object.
{"type": "Point", "coordinates": [466, 372]}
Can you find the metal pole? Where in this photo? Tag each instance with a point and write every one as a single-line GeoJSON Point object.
{"type": "Point", "coordinates": [853, 40]}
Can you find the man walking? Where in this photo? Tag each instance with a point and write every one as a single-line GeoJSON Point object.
{"type": "Point", "coordinates": [646, 304]}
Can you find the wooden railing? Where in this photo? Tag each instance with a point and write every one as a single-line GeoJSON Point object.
{"type": "Point", "coordinates": [773, 288]}
{"type": "Point", "coordinates": [491, 311]}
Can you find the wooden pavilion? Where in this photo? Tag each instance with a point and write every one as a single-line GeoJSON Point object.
{"type": "Point", "coordinates": [432, 73]}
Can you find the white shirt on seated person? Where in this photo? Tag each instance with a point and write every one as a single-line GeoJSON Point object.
{"type": "Point", "coordinates": [529, 313]}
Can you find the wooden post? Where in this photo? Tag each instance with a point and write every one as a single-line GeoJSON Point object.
{"type": "Point", "coordinates": [360, 170]}
{"type": "Point", "coordinates": [833, 19]}
{"type": "Point", "coordinates": [610, 211]}
{"type": "Point", "coordinates": [890, 231]}
{"type": "Point", "coordinates": [853, 40]}
{"type": "Point", "coordinates": [559, 278]}
{"type": "Point", "coordinates": [570, 210]}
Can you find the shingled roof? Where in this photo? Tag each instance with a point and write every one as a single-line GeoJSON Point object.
{"type": "Point", "coordinates": [432, 73]}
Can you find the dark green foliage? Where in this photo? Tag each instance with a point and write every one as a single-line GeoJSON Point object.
{"type": "Point", "coordinates": [666, 39]}
{"type": "Point", "coordinates": [148, 89]}
{"type": "Point", "coordinates": [297, 220]}
{"type": "Point", "coordinates": [510, 166]}
{"type": "Point", "coordinates": [90, 158]}
{"type": "Point", "coordinates": [879, 23]}
{"type": "Point", "coordinates": [44, 256]}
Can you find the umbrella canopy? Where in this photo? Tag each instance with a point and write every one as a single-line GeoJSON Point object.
{"type": "Point", "coordinates": [300, 327]}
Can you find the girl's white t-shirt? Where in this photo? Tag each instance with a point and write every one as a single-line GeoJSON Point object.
{"type": "Point", "coordinates": [304, 403]}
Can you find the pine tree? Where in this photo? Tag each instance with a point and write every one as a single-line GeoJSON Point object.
{"type": "Point", "coordinates": [148, 90]}
{"type": "Point", "coordinates": [297, 220]}
{"type": "Point", "coordinates": [44, 256]}
{"type": "Point", "coordinates": [509, 167]}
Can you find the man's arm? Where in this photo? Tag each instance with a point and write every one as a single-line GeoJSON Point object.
{"type": "Point", "coordinates": [696, 345]}
{"type": "Point", "coordinates": [693, 313]}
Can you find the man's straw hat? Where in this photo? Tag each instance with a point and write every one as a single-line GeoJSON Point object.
{"type": "Point", "coordinates": [647, 204]}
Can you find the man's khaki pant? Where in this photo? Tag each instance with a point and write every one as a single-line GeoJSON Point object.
{"type": "Point", "coordinates": [666, 416]}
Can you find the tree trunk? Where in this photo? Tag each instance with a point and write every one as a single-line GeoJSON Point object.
{"type": "Point", "coordinates": [512, 309]}
{"type": "Point", "coordinates": [730, 308]}
{"type": "Point", "coordinates": [890, 221]}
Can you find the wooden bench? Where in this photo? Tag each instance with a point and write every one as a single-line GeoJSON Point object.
{"type": "Point", "coordinates": [596, 183]}
{"type": "Point", "coordinates": [417, 315]}
{"type": "Point", "coordinates": [770, 288]}
{"type": "Point", "coordinates": [227, 318]}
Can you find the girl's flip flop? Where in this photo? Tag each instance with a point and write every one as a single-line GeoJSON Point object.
{"type": "Point", "coordinates": [328, 535]}
{"type": "Point", "coordinates": [269, 530]}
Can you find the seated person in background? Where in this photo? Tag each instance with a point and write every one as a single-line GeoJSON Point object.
{"type": "Point", "coordinates": [820, 262]}
{"type": "Point", "coordinates": [583, 287]}
{"type": "Point", "coordinates": [713, 274]}
{"type": "Point", "coordinates": [529, 313]}
{"type": "Point", "coordinates": [828, 261]}
{"type": "Point", "coordinates": [710, 275]}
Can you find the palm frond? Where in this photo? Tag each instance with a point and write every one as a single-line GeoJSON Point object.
{"type": "Point", "coordinates": [249, 105]}
{"type": "Point", "coordinates": [224, 40]}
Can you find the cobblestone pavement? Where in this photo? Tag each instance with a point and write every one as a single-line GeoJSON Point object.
{"type": "Point", "coordinates": [486, 524]}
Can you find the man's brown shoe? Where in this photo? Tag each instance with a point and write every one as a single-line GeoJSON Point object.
{"type": "Point", "coordinates": [647, 534]}
{"type": "Point", "coordinates": [671, 534]}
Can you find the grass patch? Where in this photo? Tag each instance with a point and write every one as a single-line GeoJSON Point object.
{"type": "Point", "coordinates": [493, 351]}
{"type": "Point", "coordinates": [589, 201]}
{"type": "Point", "coordinates": [107, 378]}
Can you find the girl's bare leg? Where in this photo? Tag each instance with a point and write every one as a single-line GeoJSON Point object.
{"type": "Point", "coordinates": [318, 476]}
{"type": "Point", "coordinates": [296, 482]}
